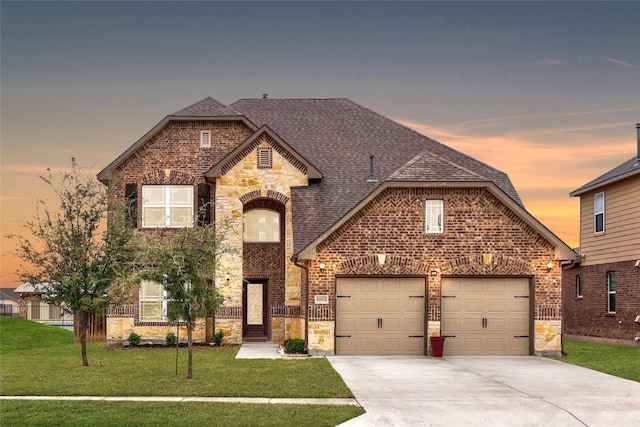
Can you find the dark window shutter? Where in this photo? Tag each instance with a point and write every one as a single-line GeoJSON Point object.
{"type": "Point", "coordinates": [131, 196]}
{"type": "Point", "coordinates": [204, 204]}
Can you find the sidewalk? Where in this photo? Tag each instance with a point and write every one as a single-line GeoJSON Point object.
{"type": "Point", "coordinates": [263, 400]}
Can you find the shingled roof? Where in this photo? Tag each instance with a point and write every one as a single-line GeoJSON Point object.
{"type": "Point", "coordinates": [338, 136]}
{"type": "Point", "coordinates": [629, 168]}
{"type": "Point", "coordinates": [206, 107]}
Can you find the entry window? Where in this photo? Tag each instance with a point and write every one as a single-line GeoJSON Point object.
{"type": "Point", "coordinates": [168, 206]}
{"type": "Point", "coordinates": [261, 225]}
{"type": "Point", "coordinates": [598, 212]}
{"type": "Point", "coordinates": [580, 286]}
{"type": "Point", "coordinates": [434, 212]}
{"type": "Point", "coordinates": [153, 302]}
{"type": "Point", "coordinates": [611, 292]}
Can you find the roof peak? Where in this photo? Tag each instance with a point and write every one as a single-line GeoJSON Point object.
{"type": "Point", "coordinates": [207, 107]}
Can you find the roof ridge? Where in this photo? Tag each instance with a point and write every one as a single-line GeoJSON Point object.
{"type": "Point", "coordinates": [426, 152]}
{"type": "Point", "coordinates": [210, 99]}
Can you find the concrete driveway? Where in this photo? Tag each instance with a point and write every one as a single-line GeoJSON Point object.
{"type": "Point", "coordinates": [485, 391]}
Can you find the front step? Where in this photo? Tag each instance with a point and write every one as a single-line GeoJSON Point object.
{"type": "Point", "coordinates": [255, 338]}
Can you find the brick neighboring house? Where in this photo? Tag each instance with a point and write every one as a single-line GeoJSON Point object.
{"type": "Point", "coordinates": [355, 233]}
{"type": "Point", "coordinates": [602, 289]}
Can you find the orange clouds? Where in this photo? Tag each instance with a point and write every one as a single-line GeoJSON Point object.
{"type": "Point", "coordinates": [544, 164]}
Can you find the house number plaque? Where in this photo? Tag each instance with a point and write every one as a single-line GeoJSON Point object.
{"type": "Point", "coordinates": [321, 299]}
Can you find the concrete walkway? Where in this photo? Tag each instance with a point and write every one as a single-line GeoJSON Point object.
{"type": "Point", "coordinates": [262, 400]}
{"type": "Point", "coordinates": [485, 391]}
{"type": "Point", "coordinates": [258, 350]}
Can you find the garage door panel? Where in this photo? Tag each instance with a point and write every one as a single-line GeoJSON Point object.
{"type": "Point", "coordinates": [485, 314]}
{"type": "Point", "coordinates": [386, 311]}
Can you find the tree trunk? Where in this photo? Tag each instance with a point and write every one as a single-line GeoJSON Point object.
{"type": "Point", "coordinates": [84, 325]}
{"type": "Point", "coordinates": [190, 348]}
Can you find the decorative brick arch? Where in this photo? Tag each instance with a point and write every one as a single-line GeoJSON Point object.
{"type": "Point", "coordinates": [173, 177]}
{"type": "Point", "coordinates": [394, 265]}
{"type": "Point", "coordinates": [475, 264]}
{"type": "Point", "coordinates": [270, 195]}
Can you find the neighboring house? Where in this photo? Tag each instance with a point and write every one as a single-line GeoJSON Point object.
{"type": "Point", "coordinates": [33, 307]}
{"type": "Point", "coordinates": [8, 303]}
{"type": "Point", "coordinates": [352, 231]}
{"type": "Point", "coordinates": [602, 289]}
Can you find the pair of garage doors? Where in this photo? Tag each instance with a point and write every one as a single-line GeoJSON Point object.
{"type": "Point", "coordinates": [386, 316]}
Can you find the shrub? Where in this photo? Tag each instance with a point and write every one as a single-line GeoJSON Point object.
{"type": "Point", "coordinates": [217, 338]}
{"type": "Point", "coordinates": [134, 339]}
{"type": "Point", "coordinates": [294, 345]}
{"type": "Point", "coordinates": [171, 339]}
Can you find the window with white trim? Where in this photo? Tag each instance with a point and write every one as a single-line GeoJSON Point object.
{"type": "Point", "coordinates": [434, 214]}
{"type": "Point", "coordinates": [261, 225]}
{"type": "Point", "coordinates": [153, 302]}
{"type": "Point", "coordinates": [611, 292]}
{"type": "Point", "coordinates": [598, 213]}
{"type": "Point", "coordinates": [265, 157]}
{"type": "Point", "coordinates": [580, 286]}
{"type": "Point", "coordinates": [168, 206]}
{"type": "Point", "coordinates": [205, 138]}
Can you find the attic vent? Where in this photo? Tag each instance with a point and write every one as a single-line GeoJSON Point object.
{"type": "Point", "coordinates": [265, 158]}
{"type": "Point", "coordinates": [205, 138]}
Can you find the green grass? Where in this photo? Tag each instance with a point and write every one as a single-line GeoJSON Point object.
{"type": "Point", "coordinates": [151, 414]}
{"type": "Point", "coordinates": [616, 360]}
{"type": "Point", "coordinates": [36, 363]}
{"type": "Point", "coordinates": [42, 360]}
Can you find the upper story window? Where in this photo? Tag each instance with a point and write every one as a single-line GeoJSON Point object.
{"type": "Point", "coordinates": [598, 212]}
{"type": "Point", "coordinates": [580, 286]}
{"type": "Point", "coordinates": [265, 157]}
{"type": "Point", "coordinates": [167, 206]}
{"type": "Point", "coordinates": [261, 225]}
{"type": "Point", "coordinates": [153, 302]}
{"type": "Point", "coordinates": [205, 138]}
{"type": "Point", "coordinates": [434, 214]}
{"type": "Point", "coordinates": [611, 292]}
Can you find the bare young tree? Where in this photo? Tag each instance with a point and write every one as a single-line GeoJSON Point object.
{"type": "Point", "coordinates": [185, 261]}
{"type": "Point", "coordinates": [78, 261]}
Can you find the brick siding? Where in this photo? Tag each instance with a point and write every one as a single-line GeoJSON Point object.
{"type": "Point", "coordinates": [588, 316]}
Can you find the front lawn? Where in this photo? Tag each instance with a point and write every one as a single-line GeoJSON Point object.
{"type": "Point", "coordinates": [34, 363]}
{"type": "Point", "coordinates": [38, 359]}
{"type": "Point", "coordinates": [616, 360]}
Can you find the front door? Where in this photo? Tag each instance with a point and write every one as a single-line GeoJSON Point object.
{"type": "Point", "coordinates": [255, 309]}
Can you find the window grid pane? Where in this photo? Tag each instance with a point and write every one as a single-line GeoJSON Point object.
{"type": "Point", "coordinates": [167, 205]}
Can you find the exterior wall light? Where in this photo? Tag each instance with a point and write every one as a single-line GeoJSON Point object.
{"type": "Point", "coordinates": [549, 266]}
{"type": "Point", "coordinates": [322, 267]}
{"type": "Point", "coordinates": [227, 277]}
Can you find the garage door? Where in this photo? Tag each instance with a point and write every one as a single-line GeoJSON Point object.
{"type": "Point", "coordinates": [381, 316]}
{"type": "Point", "coordinates": [485, 316]}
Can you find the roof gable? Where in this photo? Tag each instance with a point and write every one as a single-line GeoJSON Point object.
{"type": "Point", "coordinates": [260, 135]}
{"type": "Point", "coordinates": [431, 168]}
{"type": "Point", "coordinates": [207, 109]}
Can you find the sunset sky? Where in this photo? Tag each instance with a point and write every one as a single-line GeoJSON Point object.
{"type": "Point", "coordinates": [548, 92]}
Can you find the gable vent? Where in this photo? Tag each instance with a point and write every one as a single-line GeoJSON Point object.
{"type": "Point", "coordinates": [265, 157]}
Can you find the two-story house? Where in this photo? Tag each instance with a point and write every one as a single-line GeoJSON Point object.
{"type": "Point", "coordinates": [602, 289]}
{"type": "Point", "coordinates": [352, 232]}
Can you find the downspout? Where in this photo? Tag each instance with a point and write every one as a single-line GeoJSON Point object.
{"type": "Point", "coordinates": [294, 258]}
